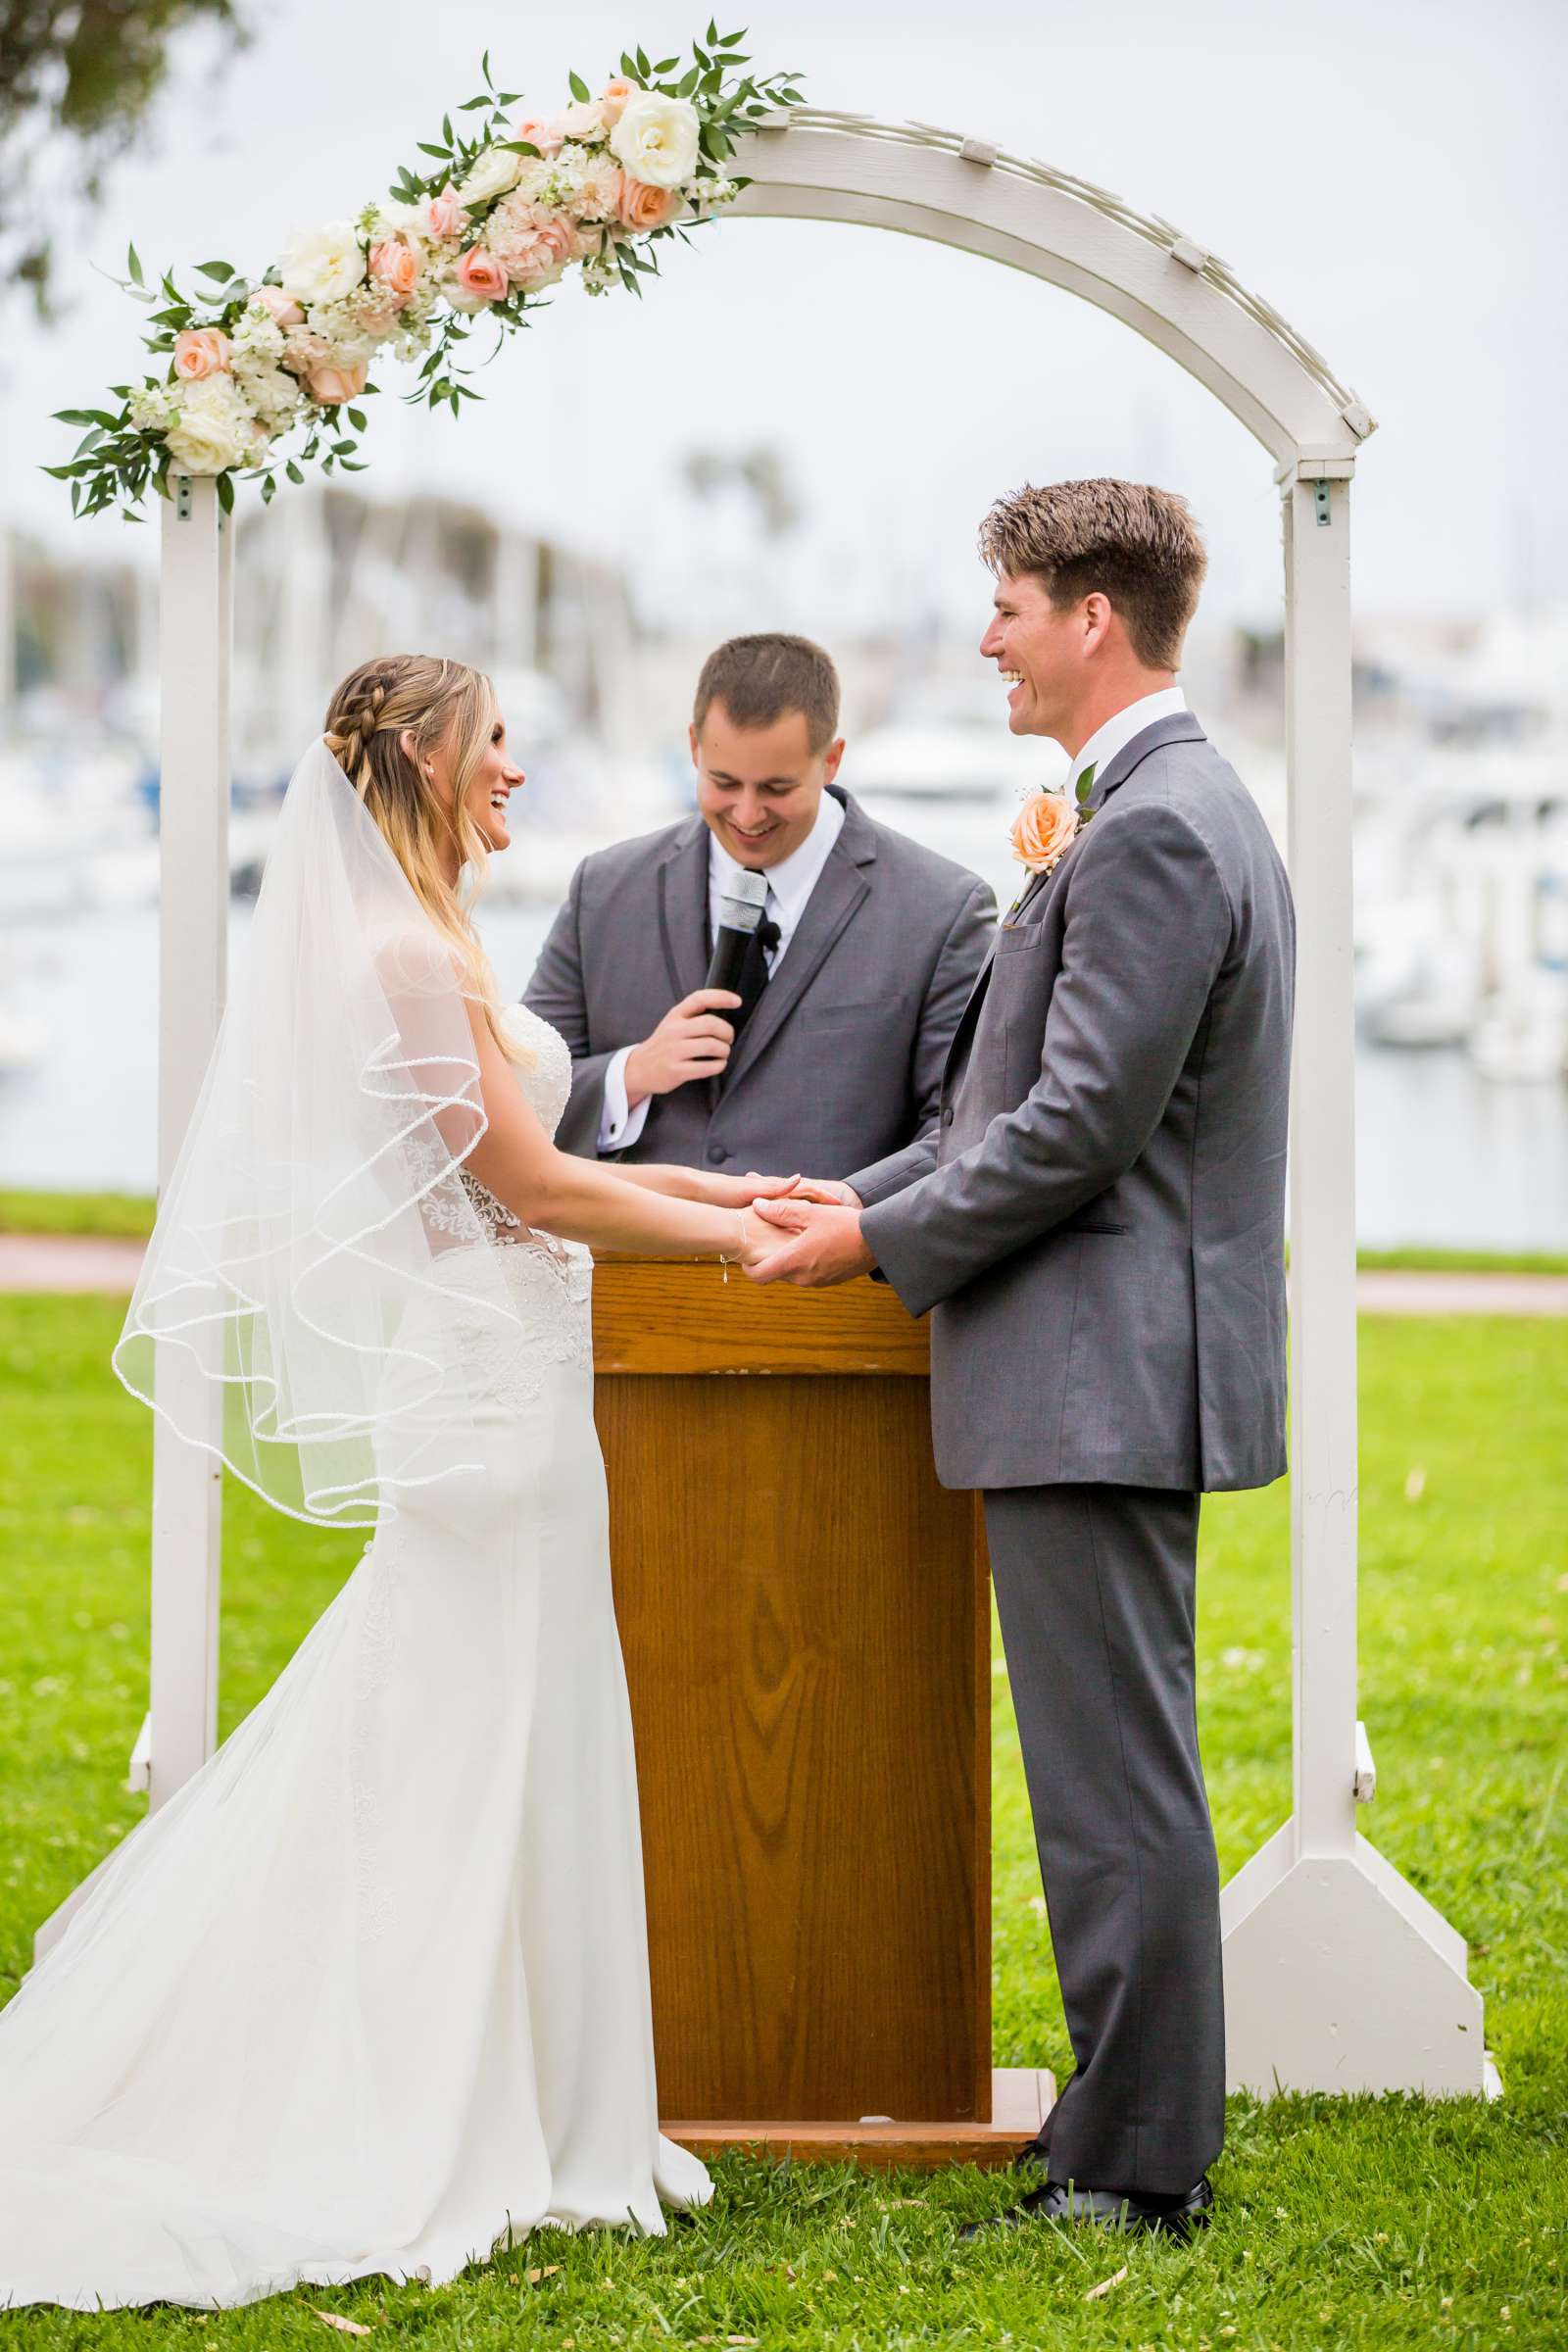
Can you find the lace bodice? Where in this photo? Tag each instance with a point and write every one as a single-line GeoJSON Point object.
{"type": "Point", "coordinates": [546, 1081]}
{"type": "Point", "coordinates": [550, 1282]}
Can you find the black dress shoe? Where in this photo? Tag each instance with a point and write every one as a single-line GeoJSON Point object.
{"type": "Point", "coordinates": [1113, 2209]}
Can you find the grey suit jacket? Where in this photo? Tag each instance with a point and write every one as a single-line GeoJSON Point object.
{"type": "Point", "coordinates": [841, 1061]}
{"type": "Point", "coordinates": [1099, 1223]}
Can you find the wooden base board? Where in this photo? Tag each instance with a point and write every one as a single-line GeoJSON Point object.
{"type": "Point", "coordinates": [1022, 2098]}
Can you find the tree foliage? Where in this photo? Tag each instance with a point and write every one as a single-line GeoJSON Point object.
{"type": "Point", "coordinates": [77, 81]}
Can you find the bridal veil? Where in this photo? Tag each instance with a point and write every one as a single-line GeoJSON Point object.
{"type": "Point", "coordinates": [300, 1257]}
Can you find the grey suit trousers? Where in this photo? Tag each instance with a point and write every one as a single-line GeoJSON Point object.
{"type": "Point", "coordinates": [1096, 1591]}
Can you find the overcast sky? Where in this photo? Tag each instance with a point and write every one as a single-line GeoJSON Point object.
{"type": "Point", "coordinates": [1391, 175]}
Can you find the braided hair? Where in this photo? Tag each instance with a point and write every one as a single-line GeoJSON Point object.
{"type": "Point", "coordinates": [443, 707]}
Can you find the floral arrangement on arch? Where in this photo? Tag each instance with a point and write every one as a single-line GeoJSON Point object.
{"type": "Point", "coordinates": [499, 219]}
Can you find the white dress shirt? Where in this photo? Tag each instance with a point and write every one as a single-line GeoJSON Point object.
{"type": "Point", "coordinates": [790, 885]}
{"type": "Point", "coordinates": [1120, 728]}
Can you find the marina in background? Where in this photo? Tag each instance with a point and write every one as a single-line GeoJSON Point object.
{"type": "Point", "coordinates": [1460, 820]}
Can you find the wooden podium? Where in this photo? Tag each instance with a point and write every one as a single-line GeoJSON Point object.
{"type": "Point", "coordinates": [806, 1619]}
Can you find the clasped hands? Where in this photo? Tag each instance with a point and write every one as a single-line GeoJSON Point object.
{"type": "Point", "coordinates": [801, 1229]}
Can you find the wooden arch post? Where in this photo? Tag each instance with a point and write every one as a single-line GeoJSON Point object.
{"type": "Point", "coordinates": [1339, 1975]}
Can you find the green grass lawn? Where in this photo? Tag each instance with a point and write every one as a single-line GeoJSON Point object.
{"type": "Point", "coordinates": [1342, 2223]}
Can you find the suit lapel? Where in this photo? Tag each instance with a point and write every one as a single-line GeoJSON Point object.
{"type": "Point", "coordinates": [683, 909]}
{"type": "Point", "coordinates": [842, 886]}
{"type": "Point", "coordinates": [1180, 728]}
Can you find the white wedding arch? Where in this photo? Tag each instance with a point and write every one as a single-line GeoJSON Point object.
{"type": "Point", "coordinates": [1338, 1975]}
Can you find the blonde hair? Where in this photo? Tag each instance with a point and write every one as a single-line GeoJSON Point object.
{"type": "Point", "coordinates": [446, 706]}
{"type": "Point", "coordinates": [1138, 545]}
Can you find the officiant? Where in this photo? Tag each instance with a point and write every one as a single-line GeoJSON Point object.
{"type": "Point", "coordinates": [828, 1052]}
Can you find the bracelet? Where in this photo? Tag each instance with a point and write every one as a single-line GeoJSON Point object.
{"type": "Point", "coordinates": [726, 1262]}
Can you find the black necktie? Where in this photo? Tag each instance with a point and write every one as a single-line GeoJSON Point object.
{"type": "Point", "coordinates": [753, 971]}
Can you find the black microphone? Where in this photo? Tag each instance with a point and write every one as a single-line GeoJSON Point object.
{"type": "Point", "coordinates": [740, 911]}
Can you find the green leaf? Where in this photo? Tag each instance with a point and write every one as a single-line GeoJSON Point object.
{"type": "Point", "coordinates": [225, 492]}
{"type": "Point", "coordinates": [484, 68]}
{"type": "Point", "coordinates": [712, 31]}
{"type": "Point", "coordinates": [132, 263]}
{"type": "Point", "coordinates": [469, 104]}
{"type": "Point", "coordinates": [685, 86]}
{"type": "Point", "coordinates": [628, 66]}
{"type": "Point", "coordinates": [357, 419]}
{"type": "Point", "coordinates": [732, 40]}
{"type": "Point", "coordinates": [643, 67]}
{"type": "Point", "coordinates": [446, 128]}
{"type": "Point", "coordinates": [269, 490]}
{"type": "Point", "coordinates": [666, 65]}
{"type": "Point", "coordinates": [219, 269]}
{"type": "Point", "coordinates": [578, 88]}
{"type": "Point", "coordinates": [294, 473]}
{"type": "Point", "coordinates": [74, 415]}
{"type": "Point", "coordinates": [425, 148]}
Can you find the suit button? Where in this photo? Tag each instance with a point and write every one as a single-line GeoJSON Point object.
{"type": "Point", "coordinates": [717, 1154]}
{"type": "Point", "coordinates": [947, 1116]}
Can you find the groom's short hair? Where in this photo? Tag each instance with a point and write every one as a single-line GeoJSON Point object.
{"type": "Point", "coordinates": [1135, 544]}
{"type": "Point", "coordinates": [760, 678]}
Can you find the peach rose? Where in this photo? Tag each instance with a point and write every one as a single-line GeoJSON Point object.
{"type": "Point", "coordinates": [543, 132]}
{"type": "Point", "coordinates": [330, 383]}
{"type": "Point", "coordinates": [444, 216]}
{"type": "Point", "coordinates": [280, 306]}
{"type": "Point", "coordinates": [581, 121]}
{"type": "Point", "coordinates": [1043, 829]}
{"type": "Point", "coordinates": [200, 351]}
{"type": "Point", "coordinates": [643, 207]}
{"type": "Point", "coordinates": [395, 266]}
{"type": "Point", "coordinates": [613, 98]}
{"type": "Point", "coordinates": [481, 276]}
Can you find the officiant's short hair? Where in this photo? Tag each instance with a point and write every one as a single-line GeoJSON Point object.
{"type": "Point", "coordinates": [760, 678]}
{"type": "Point", "coordinates": [1135, 544]}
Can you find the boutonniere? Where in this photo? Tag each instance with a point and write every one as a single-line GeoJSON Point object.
{"type": "Point", "coordinates": [1045, 830]}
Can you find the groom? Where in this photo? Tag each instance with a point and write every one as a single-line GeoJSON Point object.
{"type": "Point", "coordinates": [1098, 1225]}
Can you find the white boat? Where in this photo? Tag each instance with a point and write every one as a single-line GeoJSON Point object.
{"type": "Point", "coordinates": [951, 744]}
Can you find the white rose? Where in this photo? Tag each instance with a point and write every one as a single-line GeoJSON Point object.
{"type": "Point", "coordinates": [491, 172]}
{"type": "Point", "coordinates": [322, 265]}
{"type": "Point", "coordinates": [656, 139]}
{"type": "Point", "coordinates": [214, 430]}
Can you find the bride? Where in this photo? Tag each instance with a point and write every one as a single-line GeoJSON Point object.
{"type": "Point", "coordinates": [370, 1993]}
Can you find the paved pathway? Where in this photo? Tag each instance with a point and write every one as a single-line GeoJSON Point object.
{"type": "Point", "coordinates": [71, 1263]}
{"type": "Point", "coordinates": [61, 1261]}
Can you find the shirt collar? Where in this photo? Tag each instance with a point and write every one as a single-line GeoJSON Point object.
{"type": "Point", "coordinates": [795, 877]}
{"type": "Point", "coordinates": [1120, 728]}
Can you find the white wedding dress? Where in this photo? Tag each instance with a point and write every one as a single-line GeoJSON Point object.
{"type": "Point", "coordinates": [370, 1993]}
